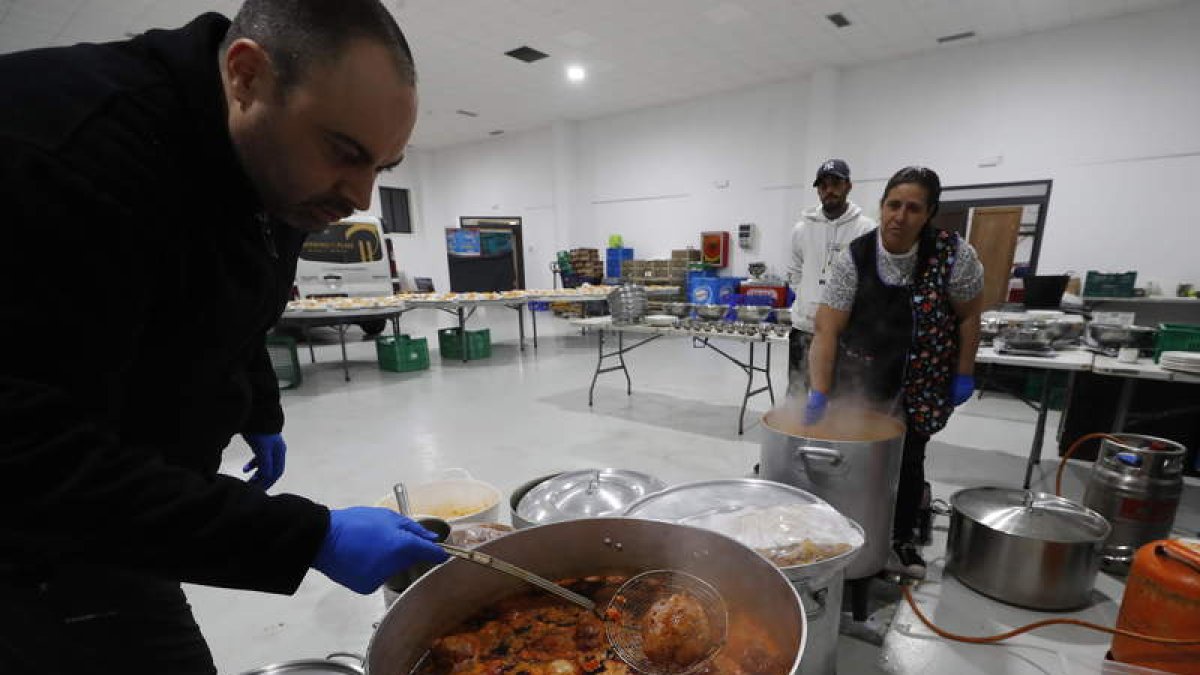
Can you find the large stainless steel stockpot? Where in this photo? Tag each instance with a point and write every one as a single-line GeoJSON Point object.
{"type": "Point", "coordinates": [1025, 548]}
{"type": "Point", "coordinates": [442, 599]}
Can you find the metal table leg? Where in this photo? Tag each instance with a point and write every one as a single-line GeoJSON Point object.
{"type": "Point", "coordinates": [750, 369]}
{"type": "Point", "coordinates": [341, 329]}
{"type": "Point", "coordinates": [1123, 401]}
{"type": "Point", "coordinates": [533, 322]}
{"type": "Point", "coordinates": [462, 333]}
{"type": "Point", "coordinates": [619, 355]}
{"type": "Point", "coordinates": [312, 355]}
{"type": "Point", "coordinates": [1039, 432]}
{"type": "Point", "coordinates": [521, 325]}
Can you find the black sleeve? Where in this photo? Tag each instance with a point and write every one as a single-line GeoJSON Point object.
{"type": "Point", "coordinates": [266, 413]}
{"type": "Point", "coordinates": [69, 488]}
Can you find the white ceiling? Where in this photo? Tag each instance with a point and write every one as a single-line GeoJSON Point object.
{"type": "Point", "coordinates": [637, 52]}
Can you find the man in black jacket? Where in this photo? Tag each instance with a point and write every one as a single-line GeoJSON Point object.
{"type": "Point", "coordinates": [156, 195]}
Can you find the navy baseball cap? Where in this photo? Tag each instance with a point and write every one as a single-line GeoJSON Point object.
{"type": "Point", "coordinates": [833, 167]}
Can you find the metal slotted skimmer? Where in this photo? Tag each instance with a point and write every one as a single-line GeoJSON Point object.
{"type": "Point", "coordinates": [636, 605]}
{"type": "Point", "coordinates": [628, 615]}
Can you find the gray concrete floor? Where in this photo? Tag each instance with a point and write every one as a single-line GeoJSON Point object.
{"type": "Point", "coordinates": [518, 415]}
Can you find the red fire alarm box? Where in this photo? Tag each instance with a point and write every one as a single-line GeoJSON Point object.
{"type": "Point", "coordinates": [714, 248]}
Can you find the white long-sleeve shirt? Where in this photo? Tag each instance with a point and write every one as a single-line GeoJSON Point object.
{"type": "Point", "coordinates": [816, 243]}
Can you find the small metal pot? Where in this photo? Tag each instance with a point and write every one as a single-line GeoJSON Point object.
{"type": "Point", "coordinates": [711, 312]}
{"type": "Point", "coordinates": [1025, 548]}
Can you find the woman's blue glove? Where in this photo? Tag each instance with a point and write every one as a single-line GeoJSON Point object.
{"type": "Point", "coordinates": [962, 388]}
{"type": "Point", "coordinates": [366, 545]}
{"type": "Point", "coordinates": [814, 410]}
{"type": "Point", "coordinates": [269, 453]}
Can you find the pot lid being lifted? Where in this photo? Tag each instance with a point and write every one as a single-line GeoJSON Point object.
{"type": "Point", "coordinates": [1029, 514]}
{"type": "Point", "coordinates": [590, 493]}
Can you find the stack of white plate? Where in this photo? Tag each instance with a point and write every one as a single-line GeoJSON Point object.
{"type": "Point", "coordinates": [1184, 362]}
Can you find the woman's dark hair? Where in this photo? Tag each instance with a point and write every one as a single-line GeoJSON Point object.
{"type": "Point", "coordinates": [298, 34]}
{"type": "Point", "coordinates": [926, 178]}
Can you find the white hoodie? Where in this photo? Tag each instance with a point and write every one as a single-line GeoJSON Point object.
{"type": "Point", "coordinates": [816, 241]}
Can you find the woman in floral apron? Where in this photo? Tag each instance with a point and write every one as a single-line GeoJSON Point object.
{"type": "Point", "coordinates": [898, 325]}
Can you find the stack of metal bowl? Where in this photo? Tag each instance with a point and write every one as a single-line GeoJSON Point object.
{"type": "Point", "coordinates": [711, 312]}
{"type": "Point", "coordinates": [752, 313]}
{"type": "Point", "coordinates": [627, 304]}
{"type": "Point", "coordinates": [679, 309]}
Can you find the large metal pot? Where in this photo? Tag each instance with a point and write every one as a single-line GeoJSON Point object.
{"type": "Point", "coordinates": [515, 499]}
{"type": "Point", "coordinates": [325, 666]}
{"type": "Point", "coordinates": [859, 478]}
{"type": "Point", "coordinates": [440, 600]}
{"type": "Point", "coordinates": [1025, 548]}
{"type": "Point", "coordinates": [819, 584]}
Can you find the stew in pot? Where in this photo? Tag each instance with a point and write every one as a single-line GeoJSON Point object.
{"type": "Point", "coordinates": [538, 634]}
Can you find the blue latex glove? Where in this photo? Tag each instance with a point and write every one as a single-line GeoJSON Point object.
{"type": "Point", "coordinates": [814, 410]}
{"type": "Point", "coordinates": [366, 545]}
{"type": "Point", "coordinates": [962, 388]}
{"type": "Point", "coordinates": [269, 453]}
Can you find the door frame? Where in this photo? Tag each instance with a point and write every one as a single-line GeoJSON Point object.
{"type": "Point", "coordinates": [511, 223]}
{"type": "Point", "coordinates": [1008, 194]}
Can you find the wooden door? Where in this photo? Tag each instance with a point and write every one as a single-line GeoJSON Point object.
{"type": "Point", "coordinates": [994, 231]}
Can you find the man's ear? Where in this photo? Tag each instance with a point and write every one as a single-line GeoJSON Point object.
{"type": "Point", "coordinates": [247, 70]}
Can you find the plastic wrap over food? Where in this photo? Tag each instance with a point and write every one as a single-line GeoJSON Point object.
{"type": "Point", "coordinates": [470, 535]}
{"type": "Point", "coordinates": [786, 534]}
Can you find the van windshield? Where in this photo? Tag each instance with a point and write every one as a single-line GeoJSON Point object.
{"type": "Point", "coordinates": [345, 243]}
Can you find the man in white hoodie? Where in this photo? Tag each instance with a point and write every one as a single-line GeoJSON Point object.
{"type": "Point", "coordinates": [821, 234]}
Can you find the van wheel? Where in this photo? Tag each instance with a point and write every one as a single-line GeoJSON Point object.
{"type": "Point", "coordinates": [373, 328]}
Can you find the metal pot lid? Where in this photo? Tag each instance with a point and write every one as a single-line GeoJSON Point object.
{"type": "Point", "coordinates": [326, 666]}
{"type": "Point", "coordinates": [1034, 515]}
{"type": "Point", "coordinates": [733, 507]}
{"type": "Point", "coordinates": [590, 493]}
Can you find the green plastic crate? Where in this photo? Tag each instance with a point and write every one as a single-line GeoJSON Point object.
{"type": "Point", "coordinates": [479, 344]}
{"type": "Point", "coordinates": [281, 349]}
{"type": "Point", "coordinates": [402, 354]}
{"type": "Point", "coordinates": [1109, 285]}
{"type": "Point", "coordinates": [1176, 337]}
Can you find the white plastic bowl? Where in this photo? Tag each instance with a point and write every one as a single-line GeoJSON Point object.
{"type": "Point", "coordinates": [456, 497]}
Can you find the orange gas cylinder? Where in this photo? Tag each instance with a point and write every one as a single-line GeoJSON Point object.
{"type": "Point", "coordinates": [1162, 598]}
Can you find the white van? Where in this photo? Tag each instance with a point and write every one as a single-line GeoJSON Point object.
{"type": "Point", "coordinates": [348, 258]}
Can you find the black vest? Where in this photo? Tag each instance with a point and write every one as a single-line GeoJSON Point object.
{"type": "Point", "coordinates": [876, 356]}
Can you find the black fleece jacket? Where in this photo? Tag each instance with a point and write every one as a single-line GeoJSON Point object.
{"type": "Point", "coordinates": [142, 278]}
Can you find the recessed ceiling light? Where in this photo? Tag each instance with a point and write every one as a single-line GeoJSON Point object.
{"type": "Point", "coordinates": [576, 73]}
{"type": "Point", "coordinates": [526, 53]}
{"type": "Point", "coordinates": [838, 19]}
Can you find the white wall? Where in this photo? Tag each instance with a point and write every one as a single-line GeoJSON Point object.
{"type": "Point", "coordinates": [1106, 110]}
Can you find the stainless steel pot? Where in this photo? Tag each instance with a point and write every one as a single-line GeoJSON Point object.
{"type": "Point", "coordinates": [325, 666]}
{"type": "Point", "coordinates": [522, 490]}
{"type": "Point", "coordinates": [752, 312]}
{"type": "Point", "coordinates": [711, 312]}
{"type": "Point", "coordinates": [440, 600]}
{"type": "Point", "coordinates": [858, 478]}
{"type": "Point", "coordinates": [819, 584]}
{"type": "Point", "coordinates": [1025, 548]}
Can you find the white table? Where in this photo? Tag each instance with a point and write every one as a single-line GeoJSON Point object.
{"type": "Point", "coordinates": [464, 309]}
{"type": "Point", "coordinates": [340, 320]}
{"type": "Point", "coordinates": [1143, 369]}
{"type": "Point", "coordinates": [700, 338]}
{"type": "Point", "coordinates": [1071, 361]}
